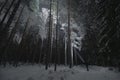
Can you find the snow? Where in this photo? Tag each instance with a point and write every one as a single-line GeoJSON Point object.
{"type": "Point", "coordinates": [34, 5]}
{"type": "Point", "coordinates": [38, 72]}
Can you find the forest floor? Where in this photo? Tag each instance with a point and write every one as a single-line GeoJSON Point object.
{"type": "Point", "coordinates": [37, 72]}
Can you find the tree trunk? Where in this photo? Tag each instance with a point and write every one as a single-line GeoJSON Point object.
{"type": "Point", "coordinates": [69, 37]}
{"type": "Point", "coordinates": [57, 39]}
{"type": "Point", "coordinates": [49, 37]}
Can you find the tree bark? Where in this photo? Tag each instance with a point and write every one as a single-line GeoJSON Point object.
{"type": "Point", "coordinates": [2, 7]}
{"type": "Point", "coordinates": [5, 15]}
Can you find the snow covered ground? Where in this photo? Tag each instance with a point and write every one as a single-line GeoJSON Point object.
{"type": "Point", "coordinates": [37, 72]}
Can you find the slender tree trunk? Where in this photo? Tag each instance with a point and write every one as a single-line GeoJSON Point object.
{"type": "Point", "coordinates": [58, 33]}
{"type": "Point", "coordinates": [65, 50]}
{"type": "Point", "coordinates": [51, 55]}
{"type": "Point", "coordinates": [40, 55]}
{"type": "Point", "coordinates": [49, 37]}
{"type": "Point", "coordinates": [57, 38]}
{"type": "Point", "coordinates": [69, 37]}
{"type": "Point", "coordinates": [72, 54]}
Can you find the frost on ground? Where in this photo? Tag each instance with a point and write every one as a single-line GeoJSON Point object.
{"type": "Point", "coordinates": [37, 72]}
